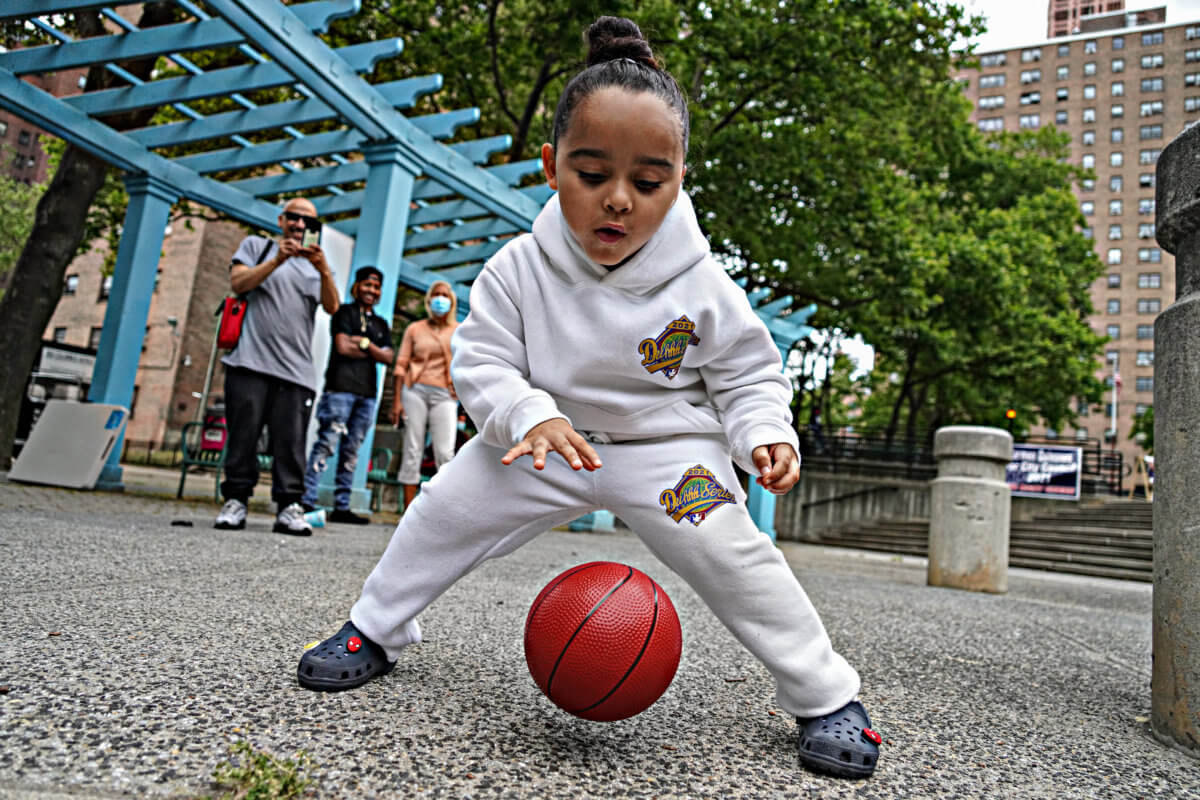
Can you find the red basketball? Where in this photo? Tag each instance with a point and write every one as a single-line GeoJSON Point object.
{"type": "Point", "coordinates": [602, 641]}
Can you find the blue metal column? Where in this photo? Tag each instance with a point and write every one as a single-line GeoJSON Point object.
{"type": "Point", "coordinates": [146, 216]}
{"type": "Point", "coordinates": [761, 503]}
{"type": "Point", "coordinates": [380, 243]}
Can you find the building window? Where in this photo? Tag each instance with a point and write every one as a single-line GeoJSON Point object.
{"type": "Point", "coordinates": [1031, 76]}
{"type": "Point", "coordinates": [1081, 434]}
{"type": "Point", "coordinates": [1154, 60]}
{"type": "Point", "coordinates": [1081, 408]}
{"type": "Point", "coordinates": [1149, 255]}
{"type": "Point", "coordinates": [1118, 89]}
{"type": "Point", "coordinates": [1150, 108]}
{"type": "Point", "coordinates": [1087, 184]}
{"type": "Point", "coordinates": [1089, 68]}
{"type": "Point", "coordinates": [992, 101]}
{"type": "Point", "coordinates": [1192, 32]}
{"type": "Point", "coordinates": [1114, 233]}
{"type": "Point", "coordinates": [1031, 98]}
{"type": "Point", "coordinates": [1115, 208]}
{"type": "Point", "coordinates": [1145, 230]}
{"type": "Point", "coordinates": [1061, 94]}
{"type": "Point", "coordinates": [1116, 159]}
{"type": "Point", "coordinates": [1086, 233]}
{"type": "Point", "coordinates": [1089, 137]}
{"type": "Point", "coordinates": [1144, 384]}
{"type": "Point", "coordinates": [993, 60]}
{"type": "Point", "coordinates": [1087, 207]}
{"type": "Point", "coordinates": [1089, 91]}
{"type": "Point", "coordinates": [106, 287]}
{"type": "Point", "coordinates": [24, 138]}
{"type": "Point", "coordinates": [1118, 65]}
{"type": "Point", "coordinates": [1089, 47]}
{"type": "Point", "coordinates": [94, 338]}
{"type": "Point", "coordinates": [1191, 79]}
{"type": "Point", "coordinates": [1149, 305]}
{"type": "Point", "coordinates": [1150, 132]}
{"type": "Point", "coordinates": [1118, 43]}
{"type": "Point", "coordinates": [1032, 54]}
{"type": "Point", "coordinates": [1115, 183]}
{"type": "Point", "coordinates": [1064, 50]}
{"type": "Point", "coordinates": [1148, 156]}
{"type": "Point", "coordinates": [1149, 280]}
{"type": "Point", "coordinates": [1146, 180]}
{"type": "Point", "coordinates": [991, 124]}
{"type": "Point", "coordinates": [991, 81]}
{"type": "Point", "coordinates": [1029, 121]}
{"type": "Point", "coordinates": [1113, 307]}
{"type": "Point", "coordinates": [1060, 118]}
{"type": "Point", "coordinates": [3, 129]}
{"type": "Point", "coordinates": [1063, 73]}
{"type": "Point", "coordinates": [1145, 331]}
{"type": "Point", "coordinates": [1088, 161]}
{"type": "Point", "coordinates": [1117, 110]}
{"type": "Point", "coordinates": [1113, 331]}
{"type": "Point", "coordinates": [1152, 84]}
{"type": "Point", "coordinates": [157, 278]}
{"type": "Point", "coordinates": [60, 335]}
{"type": "Point", "coordinates": [1151, 39]}
{"type": "Point", "coordinates": [1114, 255]}
{"type": "Point", "coordinates": [72, 284]}
{"type": "Point", "coordinates": [1190, 56]}
{"type": "Point", "coordinates": [1089, 115]}
{"type": "Point", "coordinates": [1191, 104]}
{"type": "Point", "coordinates": [1146, 205]}
{"type": "Point", "coordinates": [1114, 281]}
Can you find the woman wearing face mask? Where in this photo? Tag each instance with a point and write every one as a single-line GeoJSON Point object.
{"type": "Point", "coordinates": [424, 395]}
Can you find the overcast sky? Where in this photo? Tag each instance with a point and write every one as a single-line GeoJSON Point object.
{"type": "Point", "coordinates": [1012, 23]}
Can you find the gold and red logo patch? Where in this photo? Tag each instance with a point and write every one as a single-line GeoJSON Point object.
{"type": "Point", "coordinates": [664, 353]}
{"type": "Point", "coordinates": [696, 495]}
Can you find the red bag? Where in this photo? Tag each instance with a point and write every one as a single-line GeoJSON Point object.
{"type": "Point", "coordinates": [229, 329]}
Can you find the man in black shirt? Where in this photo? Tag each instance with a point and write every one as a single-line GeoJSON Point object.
{"type": "Point", "coordinates": [346, 410]}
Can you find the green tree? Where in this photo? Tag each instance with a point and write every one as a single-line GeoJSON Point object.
{"type": "Point", "coordinates": [1142, 431]}
{"type": "Point", "coordinates": [18, 199]}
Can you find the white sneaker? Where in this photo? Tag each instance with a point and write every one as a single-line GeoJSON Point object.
{"type": "Point", "coordinates": [291, 520]}
{"type": "Point", "coordinates": [232, 516]}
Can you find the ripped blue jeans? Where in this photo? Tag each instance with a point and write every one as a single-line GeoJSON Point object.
{"type": "Point", "coordinates": [343, 420]}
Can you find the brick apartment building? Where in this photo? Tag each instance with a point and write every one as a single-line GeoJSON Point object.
{"type": "Point", "coordinates": [1122, 88]}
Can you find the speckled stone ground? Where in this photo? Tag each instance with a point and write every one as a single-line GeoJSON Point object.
{"type": "Point", "coordinates": [133, 652]}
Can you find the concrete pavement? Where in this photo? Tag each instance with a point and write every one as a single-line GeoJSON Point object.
{"type": "Point", "coordinates": [134, 650]}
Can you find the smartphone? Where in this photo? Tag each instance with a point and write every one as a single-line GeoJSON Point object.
{"type": "Point", "coordinates": [312, 233]}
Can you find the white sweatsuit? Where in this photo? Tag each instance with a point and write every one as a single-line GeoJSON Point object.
{"type": "Point", "coordinates": [664, 366]}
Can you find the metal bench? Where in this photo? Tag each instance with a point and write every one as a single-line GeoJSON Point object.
{"type": "Point", "coordinates": [195, 455]}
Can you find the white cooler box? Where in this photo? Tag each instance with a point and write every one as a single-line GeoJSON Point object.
{"type": "Point", "coordinates": [69, 444]}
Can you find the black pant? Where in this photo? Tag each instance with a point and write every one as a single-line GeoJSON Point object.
{"type": "Point", "coordinates": [253, 399]}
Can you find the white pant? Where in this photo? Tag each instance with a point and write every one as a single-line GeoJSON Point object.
{"type": "Point", "coordinates": [432, 406]}
{"type": "Point", "coordinates": [477, 508]}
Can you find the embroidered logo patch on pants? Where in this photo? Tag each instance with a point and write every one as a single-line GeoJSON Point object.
{"type": "Point", "coordinates": [697, 493]}
{"type": "Point", "coordinates": [664, 353]}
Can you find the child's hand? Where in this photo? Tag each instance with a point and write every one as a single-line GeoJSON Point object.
{"type": "Point", "coordinates": [557, 435]}
{"type": "Point", "coordinates": [778, 467]}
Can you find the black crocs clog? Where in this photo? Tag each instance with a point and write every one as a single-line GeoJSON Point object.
{"type": "Point", "coordinates": [841, 743]}
{"type": "Point", "coordinates": [345, 660]}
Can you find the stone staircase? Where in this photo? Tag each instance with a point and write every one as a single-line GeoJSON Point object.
{"type": "Point", "coordinates": [1109, 540]}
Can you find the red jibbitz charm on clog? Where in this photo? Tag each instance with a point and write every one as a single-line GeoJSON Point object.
{"type": "Point", "coordinates": [354, 643]}
{"type": "Point", "coordinates": [872, 735]}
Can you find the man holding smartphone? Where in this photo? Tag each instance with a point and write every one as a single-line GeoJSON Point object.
{"type": "Point", "coordinates": [269, 375]}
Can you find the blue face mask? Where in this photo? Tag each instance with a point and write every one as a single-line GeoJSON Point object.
{"type": "Point", "coordinates": [439, 305]}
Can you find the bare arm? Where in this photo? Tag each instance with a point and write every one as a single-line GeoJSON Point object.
{"type": "Point", "coordinates": [243, 278]}
{"type": "Point", "coordinates": [348, 346]}
{"type": "Point", "coordinates": [330, 296]}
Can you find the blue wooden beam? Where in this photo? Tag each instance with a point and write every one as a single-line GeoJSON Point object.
{"type": "Point", "coordinates": [466, 209]}
{"type": "Point", "coordinates": [17, 9]}
{"type": "Point", "coordinates": [43, 110]}
{"type": "Point", "coordinates": [245, 78]}
{"type": "Point", "coordinates": [277, 32]}
{"type": "Point", "coordinates": [464, 274]}
{"type": "Point", "coordinates": [447, 234]}
{"type": "Point", "coordinates": [402, 93]}
{"type": "Point", "coordinates": [285, 149]}
{"type": "Point", "coordinates": [452, 256]}
{"type": "Point", "coordinates": [182, 37]}
{"type": "Point", "coordinates": [423, 189]}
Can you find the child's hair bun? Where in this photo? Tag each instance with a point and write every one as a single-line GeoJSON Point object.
{"type": "Point", "coordinates": [612, 38]}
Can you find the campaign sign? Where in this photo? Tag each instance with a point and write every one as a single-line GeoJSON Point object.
{"type": "Point", "coordinates": [1045, 470]}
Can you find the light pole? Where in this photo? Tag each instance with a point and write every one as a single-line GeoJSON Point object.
{"type": "Point", "coordinates": [1116, 382]}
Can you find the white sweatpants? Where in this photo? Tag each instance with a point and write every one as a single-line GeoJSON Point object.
{"type": "Point", "coordinates": [432, 406]}
{"type": "Point", "coordinates": [476, 508]}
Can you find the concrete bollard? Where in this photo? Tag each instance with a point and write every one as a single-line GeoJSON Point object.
{"type": "Point", "coordinates": [1175, 678]}
{"type": "Point", "coordinates": [970, 509]}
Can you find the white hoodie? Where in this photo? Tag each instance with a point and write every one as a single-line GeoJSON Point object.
{"type": "Point", "coordinates": [551, 333]}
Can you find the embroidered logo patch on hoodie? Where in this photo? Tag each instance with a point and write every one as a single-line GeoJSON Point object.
{"type": "Point", "coordinates": [664, 353]}
{"type": "Point", "coordinates": [695, 496]}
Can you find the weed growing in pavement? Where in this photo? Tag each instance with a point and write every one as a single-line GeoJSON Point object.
{"type": "Point", "coordinates": [251, 775]}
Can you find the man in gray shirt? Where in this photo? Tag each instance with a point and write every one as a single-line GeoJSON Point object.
{"type": "Point", "coordinates": [270, 378]}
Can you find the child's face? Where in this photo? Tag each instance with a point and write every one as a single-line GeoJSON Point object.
{"type": "Point", "coordinates": [617, 171]}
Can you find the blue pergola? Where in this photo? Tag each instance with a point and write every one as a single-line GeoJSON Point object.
{"type": "Point", "coordinates": [420, 207]}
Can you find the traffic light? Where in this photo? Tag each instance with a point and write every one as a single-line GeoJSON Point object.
{"type": "Point", "coordinates": [1010, 414]}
